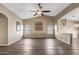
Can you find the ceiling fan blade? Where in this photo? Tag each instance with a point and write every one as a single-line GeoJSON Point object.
{"type": "Point", "coordinates": [46, 11]}
{"type": "Point", "coordinates": [35, 14]}
{"type": "Point", "coordinates": [42, 14]}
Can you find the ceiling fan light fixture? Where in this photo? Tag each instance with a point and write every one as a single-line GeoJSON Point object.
{"type": "Point", "coordinates": [40, 12]}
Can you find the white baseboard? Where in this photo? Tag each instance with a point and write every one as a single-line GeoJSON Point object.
{"type": "Point", "coordinates": [3, 44]}
{"type": "Point", "coordinates": [13, 42]}
{"type": "Point", "coordinates": [10, 43]}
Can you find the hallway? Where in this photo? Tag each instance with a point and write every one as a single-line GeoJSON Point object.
{"type": "Point", "coordinates": [38, 47]}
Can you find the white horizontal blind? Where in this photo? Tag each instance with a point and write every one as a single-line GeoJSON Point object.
{"type": "Point", "coordinates": [27, 29]}
{"type": "Point", "coordinates": [50, 29]}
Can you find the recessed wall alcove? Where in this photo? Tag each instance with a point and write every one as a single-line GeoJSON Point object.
{"type": "Point", "coordinates": [3, 29]}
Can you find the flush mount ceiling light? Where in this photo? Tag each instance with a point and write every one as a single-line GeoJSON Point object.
{"type": "Point", "coordinates": [40, 12]}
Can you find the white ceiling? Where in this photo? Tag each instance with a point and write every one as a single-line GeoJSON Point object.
{"type": "Point", "coordinates": [73, 15]}
{"type": "Point", "coordinates": [23, 10]}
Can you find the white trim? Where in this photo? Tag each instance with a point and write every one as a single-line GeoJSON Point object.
{"type": "Point", "coordinates": [9, 43]}
{"type": "Point", "coordinates": [12, 42]}
{"type": "Point", "coordinates": [3, 44]}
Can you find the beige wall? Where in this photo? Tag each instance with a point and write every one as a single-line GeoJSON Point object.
{"type": "Point", "coordinates": [45, 20]}
{"type": "Point", "coordinates": [3, 30]}
{"type": "Point", "coordinates": [13, 35]}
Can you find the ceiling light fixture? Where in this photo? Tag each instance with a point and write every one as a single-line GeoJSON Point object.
{"type": "Point", "coordinates": [40, 12]}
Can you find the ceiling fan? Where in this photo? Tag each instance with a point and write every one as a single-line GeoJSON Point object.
{"type": "Point", "coordinates": [40, 11]}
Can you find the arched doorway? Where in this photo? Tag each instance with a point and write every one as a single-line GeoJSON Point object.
{"type": "Point", "coordinates": [3, 30]}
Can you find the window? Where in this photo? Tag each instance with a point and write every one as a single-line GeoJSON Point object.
{"type": "Point", "coordinates": [27, 29]}
{"type": "Point", "coordinates": [39, 26]}
{"type": "Point", "coordinates": [18, 26]}
{"type": "Point", "coordinates": [50, 29]}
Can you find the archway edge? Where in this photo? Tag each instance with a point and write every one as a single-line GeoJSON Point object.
{"type": "Point", "coordinates": [4, 15]}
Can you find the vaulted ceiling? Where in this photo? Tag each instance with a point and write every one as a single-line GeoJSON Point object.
{"type": "Point", "coordinates": [23, 10]}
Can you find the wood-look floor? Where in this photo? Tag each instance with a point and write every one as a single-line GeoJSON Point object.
{"type": "Point", "coordinates": [38, 47]}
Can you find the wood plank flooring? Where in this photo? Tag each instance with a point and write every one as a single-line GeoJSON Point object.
{"type": "Point", "coordinates": [38, 47]}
